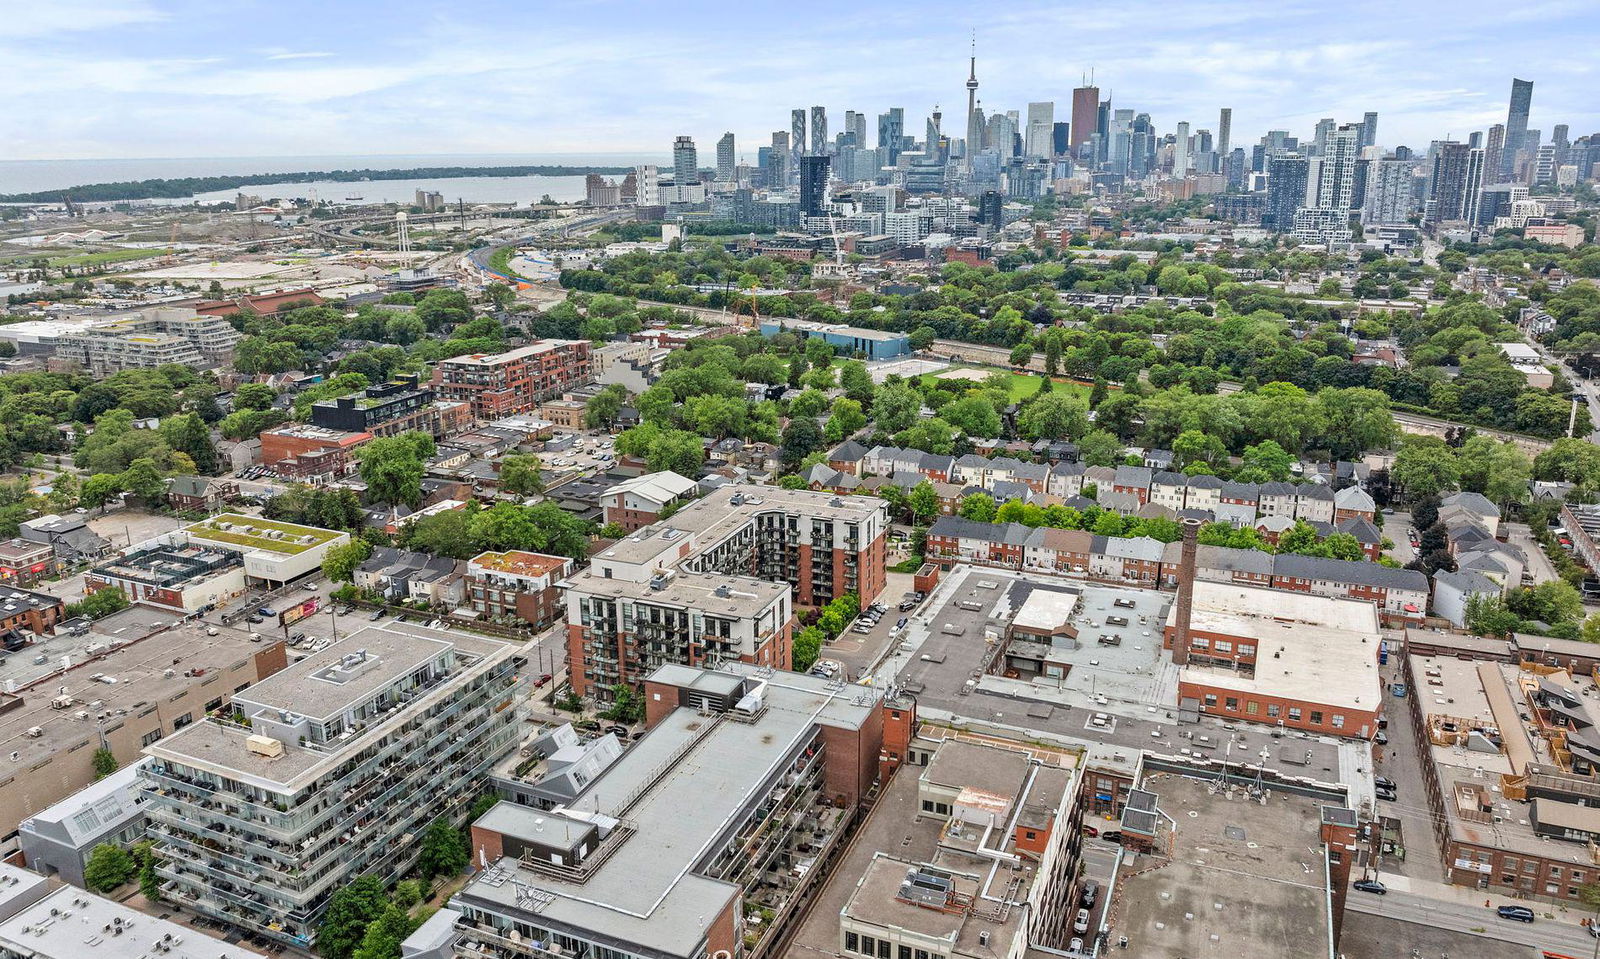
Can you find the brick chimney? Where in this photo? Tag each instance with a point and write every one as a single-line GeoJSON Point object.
{"type": "Point", "coordinates": [1185, 600]}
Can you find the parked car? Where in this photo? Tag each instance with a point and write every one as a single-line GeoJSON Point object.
{"type": "Point", "coordinates": [1371, 885]}
{"type": "Point", "coordinates": [1382, 738]}
{"type": "Point", "coordinates": [1076, 945]}
{"type": "Point", "coordinates": [542, 681]}
{"type": "Point", "coordinates": [1090, 894]}
{"type": "Point", "coordinates": [901, 622]}
{"type": "Point", "coordinates": [377, 614]}
{"type": "Point", "coordinates": [1081, 924]}
{"type": "Point", "coordinates": [1515, 913]}
{"type": "Point", "coordinates": [907, 606]}
{"type": "Point", "coordinates": [265, 611]}
{"type": "Point", "coordinates": [1384, 782]}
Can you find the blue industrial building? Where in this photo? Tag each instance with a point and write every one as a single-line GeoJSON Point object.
{"type": "Point", "coordinates": [846, 340]}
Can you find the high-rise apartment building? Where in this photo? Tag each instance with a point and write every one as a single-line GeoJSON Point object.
{"type": "Point", "coordinates": [725, 159]}
{"type": "Point", "coordinates": [855, 124]}
{"type": "Point", "coordinates": [1391, 193]}
{"type": "Point", "coordinates": [1335, 184]}
{"type": "Point", "coordinates": [1369, 129]}
{"type": "Point", "coordinates": [891, 134]}
{"type": "Point", "coordinates": [1041, 126]}
{"type": "Point", "coordinates": [1447, 182]}
{"type": "Point", "coordinates": [1494, 153]}
{"type": "Point", "coordinates": [1516, 126]}
{"type": "Point", "coordinates": [814, 184]}
{"type": "Point", "coordinates": [1224, 130]}
{"type": "Point", "coordinates": [1085, 118]}
{"type": "Point", "coordinates": [1472, 190]}
{"type": "Point", "coordinates": [329, 769]}
{"type": "Point", "coordinates": [1180, 152]}
{"type": "Point", "coordinates": [685, 161]}
{"type": "Point", "coordinates": [714, 582]}
{"type": "Point", "coordinates": [1324, 129]}
{"type": "Point", "coordinates": [778, 161]}
{"type": "Point", "coordinates": [797, 136]}
{"type": "Point", "coordinates": [819, 130]}
{"type": "Point", "coordinates": [1286, 190]}
{"type": "Point", "coordinates": [505, 384]}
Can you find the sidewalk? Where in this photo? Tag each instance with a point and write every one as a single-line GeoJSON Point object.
{"type": "Point", "coordinates": [1572, 913]}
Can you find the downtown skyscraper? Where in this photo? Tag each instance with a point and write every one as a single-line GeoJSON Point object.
{"type": "Point", "coordinates": [725, 158]}
{"type": "Point", "coordinates": [1516, 126]}
{"type": "Point", "coordinates": [1085, 117]}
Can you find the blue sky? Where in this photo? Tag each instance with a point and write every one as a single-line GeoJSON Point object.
{"type": "Point", "coordinates": [151, 78]}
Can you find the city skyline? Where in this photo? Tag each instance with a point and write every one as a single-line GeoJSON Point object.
{"type": "Point", "coordinates": [147, 78]}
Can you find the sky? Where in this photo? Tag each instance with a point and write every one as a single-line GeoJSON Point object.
{"type": "Point", "coordinates": [199, 78]}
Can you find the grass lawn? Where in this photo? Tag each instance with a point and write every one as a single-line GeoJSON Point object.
{"type": "Point", "coordinates": [1021, 385]}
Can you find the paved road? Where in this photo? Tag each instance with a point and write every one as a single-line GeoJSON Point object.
{"type": "Point", "coordinates": [1476, 920]}
{"type": "Point", "coordinates": [1539, 565]}
{"type": "Point", "coordinates": [1401, 762]}
{"type": "Point", "coordinates": [1397, 527]}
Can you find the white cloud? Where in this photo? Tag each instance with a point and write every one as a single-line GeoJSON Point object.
{"type": "Point", "coordinates": [306, 55]}
{"type": "Point", "coordinates": [42, 18]}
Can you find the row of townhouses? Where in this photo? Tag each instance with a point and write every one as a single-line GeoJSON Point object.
{"type": "Point", "coordinates": [1399, 593]}
{"type": "Point", "coordinates": [1124, 489]}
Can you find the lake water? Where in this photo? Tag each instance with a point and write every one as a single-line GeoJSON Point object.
{"type": "Point", "coordinates": [30, 176]}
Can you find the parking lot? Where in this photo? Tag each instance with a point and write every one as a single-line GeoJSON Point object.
{"type": "Point", "coordinates": [858, 651]}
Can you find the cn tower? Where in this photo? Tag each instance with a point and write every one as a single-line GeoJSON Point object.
{"type": "Point", "coordinates": [974, 122]}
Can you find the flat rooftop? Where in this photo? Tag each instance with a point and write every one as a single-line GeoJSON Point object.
{"type": "Point", "coordinates": [1132, 682]}
{"type": "Point", "coordinates": [139, 670]}
{"type": "Point", "coordinates": [722, 512]}
{"type": "Point", "coordinates": [520, 562]}
{"type": "Point", "coordinates": [310, 687]}
{"type": "Point", "coordinates": [260, 535]}
{"type": "Point", "coordinates": [1244, 879]}
{"type": "Point", "coordinates": [744, 594]}
{"type": "Point", "coordinates": [77, 930]}
{"type": "Point", "coordinates": [897, 837]}
{"type": "Point", "coordinates": [648, 892]}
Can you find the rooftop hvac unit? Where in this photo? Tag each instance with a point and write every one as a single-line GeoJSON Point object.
{"type": "Point", "coordinates": [265, 746]}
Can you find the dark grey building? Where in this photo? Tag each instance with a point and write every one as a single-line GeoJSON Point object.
{"type": "Point", "coordinates": [1286, 191]}
{"type": "Point", "coordinates": [814, 185]}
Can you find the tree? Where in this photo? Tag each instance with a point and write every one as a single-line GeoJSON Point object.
{"type": "Point", "coordinates": [677, 451]}
{"type": "Point", "coordinates": [340, 562]}
{"type": "Point", "coordinates": [149, 881]}
{"type": "Point", "coordinates": [253, 396]}
{"type": "Point", "coordinates": [801, 437]}
{"type": "Point", "coordinates": [445, 850]}
{"type": "Point", "coordinates": [100, 603]}
{"type": "Point", "coordinates": [382, 939]}
{"type": "Point", "coordinates": [1299, 538]}
{"type": "Point", "coordinates": [393, 466]}
{"type": "Point", "coordinates": [604, 407]}
{"type": "Point", "coordinates": [844, 419]}
{"type": "Point", "coordinates": [923, 501]}
{"type": "Point", "coordinates": [108, 867]}
{"type": "Point", "coordinates": [807, 646]}
{"type": "Point", "coordinates": [99, 489]}
{"type": "Point", "coordinates": [973, 415]}
{"type": "Point", "coordinates": [895, 407]}
{"type": "Point", "coordinates": [521, 474]}
{"type": "Point", "coordinates": [353, 907]}
{"type": "Point", "coordinates": [626, 705]}
{"type": "Point", "coordinates": [978, 507]}
{"type": "Point", "coordinates": [1053, 416]}
{"type": "Point", "coordinates": [1099, 448]}
{"type": "Point", "coordinates": [105, 763]}
{"type": "Point", "coordinates": [1488, 616]}
{"type": "Point", "coordinates": [188, 434]}
{"type": "Point", "coordinates": [1424, 466]}
{"type": "Point", "coordinates": [857, 382]}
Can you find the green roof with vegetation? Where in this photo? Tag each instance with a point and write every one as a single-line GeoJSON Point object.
{"type": "Point", "coordinates": [252, 532]}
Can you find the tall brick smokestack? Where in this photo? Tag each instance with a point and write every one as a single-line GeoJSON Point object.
{"type": "Point", "coordinates": [1185, 600]}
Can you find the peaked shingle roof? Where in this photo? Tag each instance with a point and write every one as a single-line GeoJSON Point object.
{"type": "Point", "coordinates": [958, 527]}
{"type": "Point", "coordinates": [1353, 572]}
{"type": "Point", "coordinates": [1354, 498]}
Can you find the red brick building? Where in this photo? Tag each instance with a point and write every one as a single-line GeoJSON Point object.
{"type": "Point", "coordinates": [307, 452]}
{"type": "Point", "coordinates": [505, 384]}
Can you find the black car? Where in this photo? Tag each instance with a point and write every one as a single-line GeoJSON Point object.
{"type": "Point", "coordinates": [1516, 913]}
{"type": "Point", "coordinates": [1371, 885]}
{"type": "Point", "coordinates": [1387, 795]}
{"type": "Point", "coordinates": [1384, 782]}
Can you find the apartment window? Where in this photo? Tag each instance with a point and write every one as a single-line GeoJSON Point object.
{"type": "Point", "coordinates": [1338, 721]}
{"type": "Point", "coordinates": [1252, 708]}
{"type": "Point", "coordinates": [1031, 834]}
{"type": "Point", "coordinates": [1223, 646]}
{"type": "Point", "coordinates": [1272, 710]}
{"type": "Point", "coordinates": [1316, 717]}
{"type": "Point", "coordinates": [1211, 700]}
{"type": "Point", "coordinates": [1200, 643]}
{"type": "Point", "coordinates": [1247, 649]}
{"type": "Point", "coordinates": [903, 952]}
{"type": "Point", "coordinates": [883, 948]}
{"type": "Point", "coordinates": [150, 737]}
{"type": "Point", "coordinates": [852, 942]}
{"type": "Point", "coordinates": [1232, 703]}
{"type": "Point", "coordinates": [869, 946]}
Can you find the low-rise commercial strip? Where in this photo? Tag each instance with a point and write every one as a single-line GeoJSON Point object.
{"type": "Point", "coordinates": [717, 582]}
{"type": "Point", "coordinates": [65, 922]}
{"type": "Point", "coordinates": [329, 769]}
{"type": "Point", "coordinates": [121, 699]}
